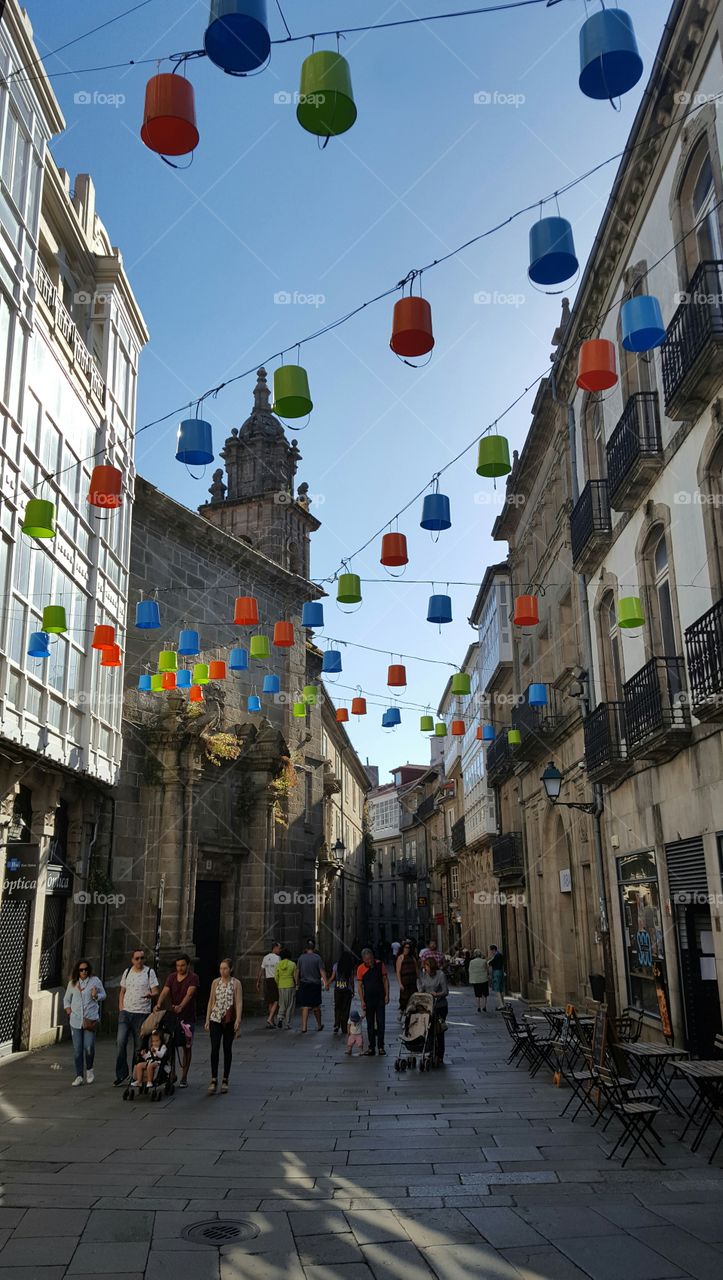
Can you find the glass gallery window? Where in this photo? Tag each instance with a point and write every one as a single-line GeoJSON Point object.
{"type": "Point", "coordinates": [642, 929]}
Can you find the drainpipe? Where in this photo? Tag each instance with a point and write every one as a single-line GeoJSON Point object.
{"type": "Point", "coordinates": [106, 908]}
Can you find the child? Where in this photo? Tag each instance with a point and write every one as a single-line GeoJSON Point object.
{"type": "Point", "coordinates": [145, 1071]}
{"type": "Point", "coordinates": [355, 1034]}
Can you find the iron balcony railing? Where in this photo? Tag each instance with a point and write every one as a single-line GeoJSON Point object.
{"type": "Point", "coordinates": [407, 869]}
{"type": "Point", "coordinates": [82, 358]}
{"type": "Point", "coordinates": [507, 857]}
{"type": "Point", "coordinates": [536, 724]}
{"type": "Point", "coordinates": [590, 525]}
{"type": "Point", "coordinates": [500, 761]}
{"type": "Point", "coordinates": [426, 807]}
{"type": "Point", "coordinates": [605, 738]}
{"type": "Point", "coordinates": [458, 838]}
{"type": "Point", "coordinates": [634, 450]}
{"type": "Point", "coordinates": [690, 370]}
{"type": "Point", "coordinates": [704, 647]}
{"type": "Point", "coordinates": [656, 704]}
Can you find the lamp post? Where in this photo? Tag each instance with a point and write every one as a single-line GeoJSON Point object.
{"type": "Point", "coordinates": [339, 849]}
{"type": "Point", "coordinates": [552, 781]}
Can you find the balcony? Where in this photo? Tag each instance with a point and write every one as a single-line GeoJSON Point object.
{"type": "Point", "coordinates": [606, 752]}
{"type": "Point", "coordinates": [590, 526]}
{"type": "Point", "coordinates": [704, 647]}
{"type": "Point", "coordinates": [458, 838]}
{"type": "Point", "coordinates": [500, 760]}
{"type": "Point", "coordinates": [537, 725]}
{"type": "Point", "coordinates": [657, 714]}
{"type": "Point", "coordinates": [407, 869]}
{"type": "Point", "coordinates": [634, 451]}
{"type": "Point", "coordinates": [507, 859]}
{"type": "Point", "coordinates": [426, 808]}
{"type": "Point", "coordinates": [692, 354]}
{"type": "Point", "coordinates": [78, 355]}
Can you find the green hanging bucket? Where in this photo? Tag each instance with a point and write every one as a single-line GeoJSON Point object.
{"type": "Point", "coordinates": [300, 710]}
{"type": "Point", "coordinates": [310, 694]}
{"type": "Point", "coordinates": [514, 738]}
{"type": "Point", "coordinates": [426, 724]}
{"type": "Point", "coordinates": [156, 682]}
{"type": "Point", "coordinates": [493, 458]}
{"type": "Point", "coordinates": [291, 392]}
{"type": "Point", "coordinates": [326, 102]}
{"type": "Point", "coordinates": [349, 589]}
{"type": "Point", "coordinates": [630, 613]}
{"type": "Point", "coordinates": [168, 660]}
{"type": "Point", "coordinates": [200, 673]}
{"type": "Point", "coordinates": [54, 620]}
{"type": "Point", "coordinates": [461, 683]}
{"type": "Point", "coordinates": [440, 729]}
{"type": "Point", "coordinates": [39, 519]}
{"type": "Point", "coordinates": [259, 647]}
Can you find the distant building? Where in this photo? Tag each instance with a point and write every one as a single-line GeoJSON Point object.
{"type": "Point", "coordinates": [393, 909]}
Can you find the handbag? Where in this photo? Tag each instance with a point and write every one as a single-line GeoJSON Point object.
{"type": "Point", "coordinates": [91, 1024]}
{"type": "Point", "coordinates": [229, 1016]}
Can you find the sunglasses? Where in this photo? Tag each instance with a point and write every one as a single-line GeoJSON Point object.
{"type": "Point", "coordinates": [139, 957]}
{"type": "Point", "coordinates": [83, 968]}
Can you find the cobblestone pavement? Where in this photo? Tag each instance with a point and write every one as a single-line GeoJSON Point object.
{"type": "Point", "coordinates": [342, 1168]}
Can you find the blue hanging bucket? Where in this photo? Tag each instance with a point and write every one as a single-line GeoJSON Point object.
{"type": "Point", "coordinates": [435, 512]}
{"type": "Point", "coordinates": [237, 36]}
{"type": "Point", "coordinates": [439, 609]}
{"type": "Point", "coordinates": [194, 443]}
{"type": "Point", "coordinates": [331, 662]}
{"type": "Point", "coordinates": [610, 64]}
{"type": "Point", "coordinates": [312, 614]}
{"type": "Point", "coordinates": [552, 252]}
{"type": "Point", "coordinates": [39, 645]}
{"type": "Point", "coordinates": [183, 677]}
{"type": "Point", "coordinates": [238, 660]}
{"type": "Point", "coordinates": [189, 645]}
{"type": "Point", "coordinates": [641, 322]}
{"type": "Point", "coordinates": [488, 733]}
{"type": "Point", "coordinates": [537, 695]}
{"type": "Point", "coordinates": [148, 615]}
{"type": "Point", "coordinates": [386, 722]}
{"type": "Point", "coordinates": [394, 716]}
{"type": "Point", "coordinates": [271, 684]}
{"type": "Point", "coordinates": [144, 683]}
{"type": "Point", "coordinates": [253, 702]}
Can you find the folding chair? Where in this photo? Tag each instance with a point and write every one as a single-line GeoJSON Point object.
{"type": "Point", "coordinates": [629, 1025]}
{"type": "Point", "coordinates": [618, 1064]}
{"type": "Point", "coordinates": [636, 1117]}
{"type": "Point", "coordinates": [567, 1051]}
{"type": "Point", "coordinates": [521, 1047]}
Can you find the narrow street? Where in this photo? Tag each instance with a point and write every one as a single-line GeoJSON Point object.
{"type": "Point", "coordinates": [333, 1167]}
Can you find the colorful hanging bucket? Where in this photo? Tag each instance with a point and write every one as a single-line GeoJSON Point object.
{"type": "Point", "coordinates": [292, 398]}
{"type": "Point", "coordinates": [103, 636]}
{"type": "Point", "coordinates": [156, 682]}
{"type": "Point", "coordinates": [106, 487]}
{"type": "Point", "coordinates": [394, 550]}
{"type": "Point", "coordinates": [552, 252]}
{"type": "Point", "coordinates": [111, 657]}
{"type": "Point", "coordinates": [183, 679]}
{"type": "Point", "coordinates": [342, 714]}
{"type": "Point", "coordinates": [54, 619]}
{"type": "Point", "coordinates": [478, 734]}
{"type": "Point", "coordinates": [39, 518]}
{"type": "Point", "coordinates": [436, 513]}
{"type": "Point", "coordinates": [237, 36]}
{"type": "Point", "coordinates": [189, 643]}
{"type": "Point", "coordinates": [144, 683]}
{"type": "Point", "coordinates": [493, 457]}
{"type": "Point", "coordinates": [39, 645]}
{"type": "Point", "coordinates": [200, 673]}
{"type": "Point", "coordinates": [271, 684]}
{"type": "Point", "coordinates": [440, 729]}
{"type": "Point", "coordinates": [596, 367]}
{"type": "Point", "coordinates": [458, 729]}
{"type": "Point", "coordinates": [397, 676]}
{"type": "Point", "coordinates": [412, 327]}
{"type": "Point", "coordinates": [259, 648]}
{"type": "Point", "coordinates": [439, 609]}
{"type": "Point", "coordinates": [168, 679]}
{"type": "Point", "coordinates": [331, 662]}
{"type": "Point", "coordinates": [195, 693]}
{"type": "Point", "coordinates": [299, 710]}
{"type": "Point", "coordinates": [527, 611]}
{"type": "Point", "coordinates": [326, 101]}
{"type": "Point", "coordinates": [217, 669]}
{"type": "Point", "coordinates": [312, 614]}
{"type": "Point", "coordinates": [610, 64]}
{"type": "Point", "coordinates": [246, 611]}
{"type": "Point", "coordinates": [310, 694]}
{"type": "Point", "coordinates": [426, 724]}
{"type": "Point", "coordinates": [537, 695]}
{"type": "Point", "coordinates": [514, 738]}
{"type": "Point", "coordinates": [283, 635]}
{"type": "Point", "coordinates": [238, 660]}
{"type": "Point", "coordinates": [169, 116]}
{"type": "Point", "coordinates": [461, 683]}
{"type": "Point", "coordinates": [253, 702]}
{"type": "Point", "coordinates": [168, 660]}
{"type": "Point", "coordinates": [630, 613]}
{"type": "Point", "coordinates": [348, 589]}
{"type": "Point", "coordinates": [148, 615]}
{"type": "Point", "coordinates": [194, 444]}
{"type": "Point", "coordinates": [641, 322]}
{"type": "Point", "coordinates": [358, 706]}
{"type": "Point", "coordinates": [394, 715]}
{"type": "Point", "coordinates": [488, 733]}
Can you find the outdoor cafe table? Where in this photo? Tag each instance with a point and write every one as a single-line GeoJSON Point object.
{"type": "Point", "coordinates": [706, 1077]}
{"type": "Point", "coordinates": [651, 1061]}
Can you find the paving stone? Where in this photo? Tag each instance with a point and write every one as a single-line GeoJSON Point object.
{"type": "Point", "coordinates": [336, 1249]}
{"type": "Point", "coordinates": [440, 1226]}
{"type": "Point", "coordinates": [396, 1260]}
{"type": "Point", "coordinates": [116, 1225]}
{"type": "Point", "coordinates": [355, 1270]}
{"type": "Point", "coordinates": [691, 1217]}
{"type": "Point", "coordinates": [51, 1222]}
{"type": "Point", "coordinates": [543, 1262]}
{"type": "Point", "coordinates": [317, 1223]}
{"type": "Point", "coordinates": [167, 1264]}
{"type": "Point", "coordinates": [11, 1217]}
{"type": "Point", "coordinates": [503, 1228]}
{"type": "Point", "coordinates": [97, 1259]}
{"type": "Point", "coordinates": [683, 1250]}
{"type": "Point", "coordinates": [32, 1273]}
{"type": "Point", "coordinates": [376, 1226]}
{"type": "Point", "coordinates": [461, 1261]}
{"type": "Point", "coordinates": [38, 1253]}
{"type": "Point", "coordinates": [567, 1222]}
{"type": "Point", "coordinates": [629, 1215]}
{"type": "Point", "coordinates": [610, 1257]}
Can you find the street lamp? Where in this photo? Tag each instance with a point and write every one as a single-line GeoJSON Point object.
{"type": "Point", "coordinates": [551, 780]}
{"type": "Point", "coordinates": [339, 849]}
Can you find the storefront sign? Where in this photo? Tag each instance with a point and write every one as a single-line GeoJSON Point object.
{"type": "Point", "coordinates": [21, 871]}
{"type": "Point", "coordinates": [60, 880]}
{"type": "Point", "coordinates": [422, 901]}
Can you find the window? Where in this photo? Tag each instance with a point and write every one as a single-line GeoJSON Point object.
{"type": "Point", "coordinates": [381, 897]}
{"type": "Point", "coordinates": [51, 953]}
{"type": "Point", "coordinates": [454, 882]}
{"type": "Point", "coordinates": [611, 649]}
{"type": "Point", "coordinates": [636, 371]}
{"type": "Point", "coordinates": [642, 929]}
{"type": "Point", "coordinates": [662, 620]}
{"type": "Point", "coordinates": [394, 897]}
{"type": "Point", "coordinates": [594, 439]}
{"type": "Point", "coordinates": [308, 797]}
{"type": "Point", "coordinates": [393, 857]}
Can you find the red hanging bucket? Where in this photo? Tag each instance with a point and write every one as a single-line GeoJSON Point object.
{"type": "Point", "coordinates": [397, 676]}
{"type": "Point", "coordinates": [103, 636]}
{"type": "Point", "coordinates": [342, 714]}
{"type": "Point", "coordinates": [479, 735]}
{"type": "Point", "coordinates": [283, 635]}
{"type": "Point", "coordinates": [246, 612]}
{"type": "Point", "coordinates": [169, 116]}
{"type": "Point", "coordinates": [527, 612]}
{"type": "Point", "coordinates": [106, 485]}
{"type": "Point", "coordinates": [168, 680]}
{"type": "Point", "coordinates": [358, 706]}
{"type": "Point", "coordinates": [217, 669]}
{"type": "Point", "coordinates": [596, 369]}
{"type": "Point", "coordinates": [458, 728]}
{"type": "Point", "coordinates": [111, 657]}
{"type": "Point", "coordinates": [195, 693]}
{"type": "Point", "coordinates": [394, 550]}
{"type": "Point", "coordinates": [412, 327]}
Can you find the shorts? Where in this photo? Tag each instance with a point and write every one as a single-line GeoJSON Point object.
{"type": "Point", "coordinates": [271, 991]}
{"type": "Point", "coordinates": [481, 989]}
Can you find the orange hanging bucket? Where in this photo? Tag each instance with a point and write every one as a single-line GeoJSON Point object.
{"type": "Point", "coordinates": [103, 636]}
{"type": "Point", "coordinates": [397, 676]}
{"type": "Point", "coordinates": [106, 484]}
{"type": "Point", "coordinates": [394, 550]}
{"type": "Point", "coordinates": [479, 734]}
{"type": "Point", "coordinates": [246, 611]}
{"type": "Point", "coordinates": [596, 369]}
{"type": "Point", "coordinates": [111, 657]}
{"type": "Point", "coordinates": [527, 612]}
{"type": "Point", "coordinates": [412, 327]}
{"type": "Point", "coordinates": [458, 728]}
{"type": "Point", "coordinates": [195, 693]}
{"type": "Point", "coordinates": [358, 706]}
{"type": "Point", "coordinates": [283, 635]}
{"type": "Point", "coordinates": [168, 680]}
{"type": "Point", "coordinates": [169, 116]}
{"type": "Point", "coordinates": [342, 714]}
{"type": "Point", "coordinates": [217, 669]}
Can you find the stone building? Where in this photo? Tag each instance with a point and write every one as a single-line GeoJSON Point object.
{"type": "Point", "coordinates": [393, 884]}
{"type": "Point", "coordinates": [343, 858]}
{"type": "Point", "coordinates": [70, 337]}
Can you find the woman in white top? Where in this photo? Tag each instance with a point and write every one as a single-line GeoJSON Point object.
{"type": "Point", "coordinates": [223, 1021]}
{"type": "Point", "coordinates": [82, 1002]}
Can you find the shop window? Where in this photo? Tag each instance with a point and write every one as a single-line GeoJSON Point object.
{"type": "Point", "coordinates": [642, 929]}
{"type": "Point", "coordinates": [51, 951]}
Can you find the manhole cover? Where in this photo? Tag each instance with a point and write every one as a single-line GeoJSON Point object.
{"type": "Point", "coordinates": [217, 1233]}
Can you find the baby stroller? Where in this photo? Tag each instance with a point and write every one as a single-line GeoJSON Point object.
{"type": "Point", "coordinates": [417, 1038]}
{"type": "Point", "coordinates": [168, 1027]}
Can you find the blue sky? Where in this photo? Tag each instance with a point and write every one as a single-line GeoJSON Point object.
{"type": "Point", "coordinates": [262, 212]}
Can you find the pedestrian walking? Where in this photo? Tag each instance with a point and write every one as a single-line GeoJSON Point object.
{"type": "Point", "coordinates": [431, 949]}
{"type": "Point", "coordinates": [267, 974]}
{"type": "Point", "coordinates": [312, 976]}
{"type": "Point", "coordinates": [287, 980]}
{"type": "Point", "coordinates": [180, 989]}
{"type": "Point", "coordinates": [223, 1021]}
{"type": "Point", "coordinates": [373, 990]}
{"type": "Point", "coordinates": [138, 988]}
{"type": "Point", "coordinates": [479, 977]}
{"type": "Point", "coordinates": [396, 948]}
{"type": "Point", "coordinates": [496, 964]}
{"type": "Point", "coordinates": [83, 997]}
{"type": "Point", "coordinates": [407, 973]}
{"type": "Point", "coordinates": [433, 981]}
{"type": "Point", "coordinates": [342, 975]}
